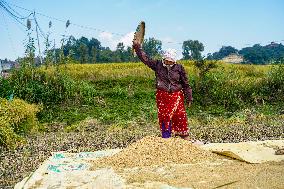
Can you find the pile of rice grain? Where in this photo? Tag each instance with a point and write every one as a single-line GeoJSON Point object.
{"type": "Point", "coordinates": [152, 150]}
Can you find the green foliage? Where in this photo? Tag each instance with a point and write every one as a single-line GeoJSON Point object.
{"type": "Point", "coordinates": [258, 54]}
{"type": "Point", "coordinates": [29, 59]}
{"type": "Point", "coordinates": [54, 87]}
{"type": "Point", "coordinates": [192, 50]}
{"type": "Point", "coordinates": [84, 50]}
{"type": "Point", "coordinates": [152, 47]}
{"type": "Point", "coordinates": [47, 52]}
{"type": "Point", "coordinates": [217, 91]}
{"type": "Point", "coordinates": [204, 66]}
{"type": "Point", "coordinates": [8, 138]}
{"type": "Point", "coordinates": [6, 88]}
{"type": "Point", "coordinates": [93, 55]}
{"type": "Point", "coordinates": [231, 87]}
{"type": "Point", "coordinates": [274, 86]}
{"type": "Point", "coordinates": [223, 52]}
{"type": "Point", "coordinates": [114, 93]}
{"type": "Point", "coordinates": [17, 118]}
{"type": "Point", "coordinates": [125, 91]}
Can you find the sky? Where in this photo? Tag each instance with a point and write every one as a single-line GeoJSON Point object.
{"type": "Point", "coordinates": [215, 23]}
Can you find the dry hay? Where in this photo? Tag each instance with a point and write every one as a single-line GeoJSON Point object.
{"type": "Point", "coordinates": [152, 150]}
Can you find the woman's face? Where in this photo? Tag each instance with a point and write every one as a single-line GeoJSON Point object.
{"type": "Point", "coordinates": [167, 62]}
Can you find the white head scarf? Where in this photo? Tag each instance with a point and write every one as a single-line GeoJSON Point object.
{"type": "Point", "coordinates": [170, 55]}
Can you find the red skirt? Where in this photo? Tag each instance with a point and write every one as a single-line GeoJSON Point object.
{"type": "Point", "coordinates": [171, 112]}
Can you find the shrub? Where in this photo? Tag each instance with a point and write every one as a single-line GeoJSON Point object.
{"type": "Point", "coordinates": [50, 87]}
{"type": "Point", "coordinates": [276, 82]}
{"type": "Point", "coordinates": [112, 92]}
{"type": "Point", "coordinates": [17, 118]}
{"type": "Point", "coordinates": [5, 88]}
{"type": "Point", "coordinates": [8, 138]}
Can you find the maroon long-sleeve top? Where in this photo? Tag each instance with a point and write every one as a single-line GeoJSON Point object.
{"type": "Point", "coordinates": [170, 79]}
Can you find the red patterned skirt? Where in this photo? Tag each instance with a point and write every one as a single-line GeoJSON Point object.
{"type": "Point", "coordinates": [171, 112]}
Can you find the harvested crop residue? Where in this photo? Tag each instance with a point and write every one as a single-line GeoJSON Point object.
{"type": "Point", "coordinates": [153, 150]}
{"type": "Point", "coordinates": [153, 161]}
{"type": "Point", "coordinates": [224, 174]}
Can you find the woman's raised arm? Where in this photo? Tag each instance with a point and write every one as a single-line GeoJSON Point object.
{"type": "Point", "coordinates": [143, 56]}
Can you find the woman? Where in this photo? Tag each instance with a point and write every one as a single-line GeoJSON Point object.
{"type": "Point", "coordinates": [172, 90]}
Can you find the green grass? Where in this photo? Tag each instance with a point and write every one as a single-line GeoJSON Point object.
{"type": "Point", "coordinates": [120, 92]}
{"type": "Point", "coordinates": [114, 101]}
{"type": "Point", "coordinates": [230, 103]}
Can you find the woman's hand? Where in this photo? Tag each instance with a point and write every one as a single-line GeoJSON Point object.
{"type": "Point", "coordinates": [135, 45]}
{"type": "Point", "coordinates": [135, 42]}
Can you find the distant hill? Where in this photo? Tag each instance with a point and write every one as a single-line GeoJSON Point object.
{"type": "Point", "coordinates": [6, 65]}
{"type": "Point", "coordinates": [256, 54]}
{"type": "Point", "coordinates": [267, 54]}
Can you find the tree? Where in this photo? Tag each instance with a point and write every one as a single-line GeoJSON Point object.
{"type": "Point", "coordinates": [223, 52]}
{"type": "Point", "coordinates": [29, 59]}
{"type": "Point", "coordinates": [152, 47]}
{"type": "Point", "coordinates": [94, 43]}
{"type": "Point", "coordinates": [209, 56]}
{"type": "Point", "coordinates": [94, 46]}
{"type": "Point", "coordinates": [120, 52]}
{"type": "Point", "coordinates": [93, 55]}
{"type": "Point", "coordinates": [192, 50]}
{"type": "Point", "coordinates": [47, 52]}
{"type": "Point", "coordinates": [83, 50]}
{"type": "Point", "coordinates": [129, 55]}
{"type": "Point", "coordinates": [255, 54]}
{"type": "Point", "coordinates": [84, 40]}
{"type": "Point", "coordinates": [106, 55]}
{"type": "Point", "coordinates": [120, 47]}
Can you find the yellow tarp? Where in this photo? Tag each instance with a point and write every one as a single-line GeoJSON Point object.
{"type": "Point", "coordinates": [252, 151]}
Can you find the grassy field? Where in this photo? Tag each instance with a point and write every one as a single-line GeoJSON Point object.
{"type": "Point", "coordinates": [125, 91]}
{"type": "Point", "coordinates": [118, 93]}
